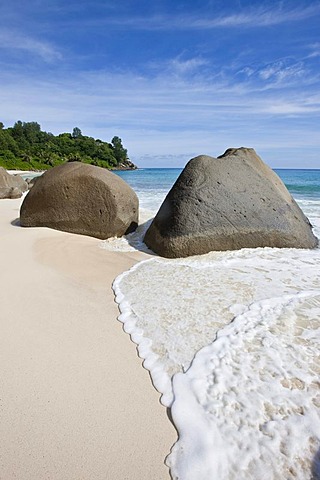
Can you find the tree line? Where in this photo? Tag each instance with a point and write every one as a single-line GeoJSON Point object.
{"type": "Point", "coordinates": [26, 147]}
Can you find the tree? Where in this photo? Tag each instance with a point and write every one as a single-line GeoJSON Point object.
{"type": "Point", "coordinates": [76, 133]}
{"type": "Point", "coordinates": [26, 158]}
{"type": "Point", "coordinates": [31, 131]}
{"type": "Point", "coordinates": [74, 157]}
{"type": "Point", "coordinates": [119, 152]}
{"type": "Point", "coordinates": [26, 146]}
{"type": "Point", "coordinates": [17, 129]}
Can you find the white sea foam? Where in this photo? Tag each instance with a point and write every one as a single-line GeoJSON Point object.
{"type": "Point", "coordinates": [132, 241]}
{"type": "Point", "coordinates": [248, 408]}
{"type": "Point", "coordinates": [311, 208]}
{"type": "Point", "coordinates": [249, 398]}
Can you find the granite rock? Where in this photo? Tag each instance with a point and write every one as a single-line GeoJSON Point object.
{"type": "Point", "coordinates": [80, 198]}
{"type": "Point", "coordinates": [11, 186]}
{"type": "Point", "coordinates": [227, 203]}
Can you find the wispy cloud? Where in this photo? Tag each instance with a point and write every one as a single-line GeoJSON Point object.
{"type": "Point", "coordinates": [292, 108]}
{"type": "Point", "coordinates": [281, 70]}
{"type": "Point", "coordinates": [12, 40]}
{"type": "Point", "coordinates": [180, 65]}
{"type": "Point", "coordinates": [284, 73]}
{"type": "Point", "coordinates": [186, 66]}
{"type": "Point", "coordinates": [262, 16]}
{"type": "Point", "coordinates": [315, 50]}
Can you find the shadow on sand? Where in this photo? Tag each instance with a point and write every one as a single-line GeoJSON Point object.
{"type": "Point", "coordinates": [16, 222]}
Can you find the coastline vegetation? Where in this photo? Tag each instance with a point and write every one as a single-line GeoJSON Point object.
{"type": "Point", "coordinates": [26, 147]}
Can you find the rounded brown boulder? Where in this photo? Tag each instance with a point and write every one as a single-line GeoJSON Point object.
{"type": "Point", "coordinates": [84, 199]}
{"type": "Point", "coordinates": [227, 203]}
{"type": "Point", "coordinates": [11, 186]}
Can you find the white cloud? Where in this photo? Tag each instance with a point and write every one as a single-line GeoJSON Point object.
{"type": "Point", "coordinates": [261, 16]}
{"type": "Point", "coordinates": [292, 108]}
{"type": "Point", "coordinates": [268, 72]}
{"type": "Point", "coordinates": [315, 50]}
{"type": "Point", "coordinates": [10, 39]}
{"type": "Point", "coordinates": [281, 70]}
{"type": "Point", "coordinates": [248, 71]}
{"type": "Point", "coordinates": [265, 16]}
{"type": "Point", "coordinates": [186, 66]}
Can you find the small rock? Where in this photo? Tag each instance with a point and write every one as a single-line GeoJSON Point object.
{"type": "Point", "coordinates": [11, 186]}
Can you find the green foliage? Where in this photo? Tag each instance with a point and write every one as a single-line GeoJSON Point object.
{"type": "Point", "coordinates": [76, 133]}
{"type": "Point", "coordinates": [120, 153]}
{"type": "Point", "coordinates": [26, 147]}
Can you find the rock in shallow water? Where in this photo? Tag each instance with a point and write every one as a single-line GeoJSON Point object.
{"type": "Point", "coordinates": [227, 203]}
{"type": "Point", "coordinates": [80, 198]}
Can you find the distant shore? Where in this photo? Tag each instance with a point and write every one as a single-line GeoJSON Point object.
{"type": "Point", "coordinates": [24, 172]}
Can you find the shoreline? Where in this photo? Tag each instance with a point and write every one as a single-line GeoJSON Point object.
{"type": "Point", "coordinates": [33, 172]}
{"type": "Point", "coordinates": [76, 401]}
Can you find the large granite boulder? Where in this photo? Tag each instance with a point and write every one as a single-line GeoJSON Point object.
{"type": "Point", "coordinates": [80, 198]}
{"type": "Point", "coordinates": [227, 203]}
{"type": "Point", "coordinates": [11, 186]}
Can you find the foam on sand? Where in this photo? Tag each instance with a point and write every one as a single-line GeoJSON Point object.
{"type": "Point", "coordinates": [248, 406]}
{"type": "Point", "coordinates": [231, 341]}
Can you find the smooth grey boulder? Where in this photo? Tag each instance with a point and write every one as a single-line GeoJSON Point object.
{"type": "Point", "coordinates": [84, 199]}
{"type": "Point", "coordinates": [227, 203]}
{"type": "Point", "coordinates": [11, 186]}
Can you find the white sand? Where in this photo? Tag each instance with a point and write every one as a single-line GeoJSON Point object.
{"type": "Point", "coordinates": [75, 402]}
{"type": "Point", "coordinates": [26, 172]}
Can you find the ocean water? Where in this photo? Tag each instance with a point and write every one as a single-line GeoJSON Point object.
{"type": "Point", "coordinates": [231, 340]}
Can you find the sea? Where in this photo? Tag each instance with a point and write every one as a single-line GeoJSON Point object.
{"type": "Point", "coordinates": [231, 341]}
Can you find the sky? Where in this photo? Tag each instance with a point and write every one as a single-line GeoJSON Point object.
{"type": "Point", "coordinates": [172, 78]}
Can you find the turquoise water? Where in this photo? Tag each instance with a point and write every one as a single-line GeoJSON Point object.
{"type": "Point", "coordinates": [151, 184]}
{"type": "Point", "coordinates": [300, 183]}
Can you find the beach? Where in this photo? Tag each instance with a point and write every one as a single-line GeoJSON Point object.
{"type": "Point", "coordinates": [187, 349]}
{"type": "Point", "coordinates": [230, 341]}
{"type": "Point", "coordinates": [75, 401]}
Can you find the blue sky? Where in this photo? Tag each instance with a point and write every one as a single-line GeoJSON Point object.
{"type": "Point", "coordinates": [173, 79]}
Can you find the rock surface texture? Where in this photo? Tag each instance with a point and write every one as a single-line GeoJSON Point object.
{"type": "Point", "coordinates": [31, 181]}
{"type": "Point", "coordinates": [11, 186]}
{"type": "Point", "coordinates": [227, 203]}
{"type": "Point", "coordinates": [80, 198]}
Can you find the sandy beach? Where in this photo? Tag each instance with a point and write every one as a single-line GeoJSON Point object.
{"type": "Point", "coordinates": [75, 400]}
